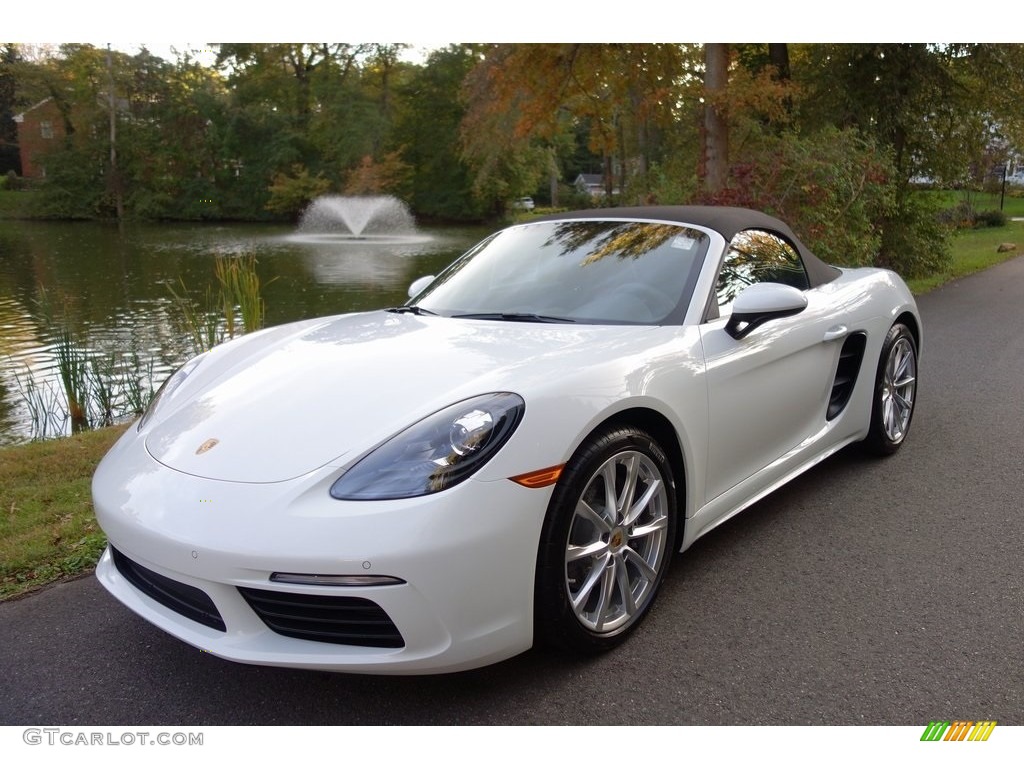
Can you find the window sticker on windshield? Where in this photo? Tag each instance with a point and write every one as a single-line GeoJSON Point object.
{"type": "Point", "coordinates": [684, 242]}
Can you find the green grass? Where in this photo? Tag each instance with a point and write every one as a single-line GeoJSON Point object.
{"type": "Point", "coordinates": [240, 287]}
{"type": "Point", "coordinates": [16, 204]}
{"type": "Point", "coordinates": [1013, 205]}
{"type": "Point", "coordinates": [973, 251]}
{"type": "Point", "coordinates": [48, 531]}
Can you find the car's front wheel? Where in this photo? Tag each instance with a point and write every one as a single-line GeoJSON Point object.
{"type": "Point", "coordinates": [606, 543]}
{"type": "Point", "coordinates": [892, 406]}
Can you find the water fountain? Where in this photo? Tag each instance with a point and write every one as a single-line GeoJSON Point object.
{"type": "Point", "coordinates": [382, 219]}
{"type": "Point", "coordinates": [352, 240]}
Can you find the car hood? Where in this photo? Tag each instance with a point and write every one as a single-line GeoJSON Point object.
{"type": "Point", "coordinates": [290, 400]}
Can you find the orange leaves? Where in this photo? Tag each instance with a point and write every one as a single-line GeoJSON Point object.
{"type": "Point", "coordinates": [374, 177]}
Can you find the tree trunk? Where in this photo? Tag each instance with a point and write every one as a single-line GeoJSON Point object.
{"type": "Point", "coordinates": [115, 174]}
{"type": "Point", "coordinates": [553, 176]}
{"type": "Point", "coordinates": [716, 128]}
{"type": "Point", "coordinates": [778, 54]}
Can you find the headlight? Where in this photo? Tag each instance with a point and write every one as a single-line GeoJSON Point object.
{"type": "Point", "coordinates": [171, 383]}
{"type": "Point", "coordinates": [436, 453]}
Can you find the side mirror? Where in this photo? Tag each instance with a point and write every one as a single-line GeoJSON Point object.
{"type": "Point", "coordinates": [761, 302]}
{"type": "Point", "coordinates": [419, 284]}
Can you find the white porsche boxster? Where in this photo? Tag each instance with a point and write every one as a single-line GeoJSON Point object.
{"type": "Point", "coordinates": [511, 457]}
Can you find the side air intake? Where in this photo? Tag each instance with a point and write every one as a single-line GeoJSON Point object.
{"type": "Point", "coordinates": [850, 359]}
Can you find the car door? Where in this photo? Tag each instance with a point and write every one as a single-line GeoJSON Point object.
{"type": "Point", "coordinates": [767, 391]}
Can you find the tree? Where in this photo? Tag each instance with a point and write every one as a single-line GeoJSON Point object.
{"type": "Point", "coordinates": [77, 80]}
{"type": "Point", "coordinates": [290, 193]}
{"type": "Point", "coordinates": [523, 100]}
{"type": "Point", "coordinates": [928, 106]}
{"type": "Point", "coordinates": [9, 157]}
{"type": "Point", "coordinates": [389, 175]}
{"type": "Point", "coordinates": [479, 125]}
{"type": "Point", "coordinates": [161, 116]}
{"type": "Point", "coordinates": [716, 126]}
{"type": "Point", "coordinates": [319, 107]}
{"type": "Point", "coordinates": [287, 76]}
{"type": "Point", "coordinates": [427, 127]}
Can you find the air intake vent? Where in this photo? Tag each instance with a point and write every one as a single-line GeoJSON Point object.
{"type": "Point", "coordinates": [324, 618]}
{"type": "Point", "coordinates": [850, 359]}
{"type": "Point", "coordinates": [181, 598]}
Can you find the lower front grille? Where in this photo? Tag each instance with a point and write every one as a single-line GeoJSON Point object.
{"type": "Point", "coordinates": [181, 598]}
{"type": "Point", "coordinates": [324, 618]}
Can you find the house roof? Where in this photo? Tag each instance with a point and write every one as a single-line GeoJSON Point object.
{"type": "Point", "coordinates": [20, 117]}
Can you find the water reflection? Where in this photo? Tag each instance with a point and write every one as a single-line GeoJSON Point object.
{"type": "Point", "coordinates": [345, 260]}
{"type": "Point", "coordinates": [111, 289]}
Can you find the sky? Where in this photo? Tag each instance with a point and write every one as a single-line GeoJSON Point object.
{"type": "Point", "coordinates": [432, 24]}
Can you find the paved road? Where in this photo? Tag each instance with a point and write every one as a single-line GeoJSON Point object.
{"type": "Point", "coordinates": [866, 592]}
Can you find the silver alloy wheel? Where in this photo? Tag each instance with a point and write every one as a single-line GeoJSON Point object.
{"type": "Point", "coordinates": [899, 383]}
{"type": "Point", "coordinates": [617, 542]}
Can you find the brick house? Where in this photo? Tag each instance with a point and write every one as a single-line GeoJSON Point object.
{"type": "Point", "coordinates": [40, 128]}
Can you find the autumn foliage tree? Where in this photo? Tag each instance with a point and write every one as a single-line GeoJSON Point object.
{"type": "Point", "coordinates": [291, 192]}
{"type": "Point", "coordinates": [524, 101]}
{"type": "Point", "coordinates": [389, 175]}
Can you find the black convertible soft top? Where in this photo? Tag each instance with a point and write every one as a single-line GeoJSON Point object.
{"type": "Point", "coordinates": [723, 219]}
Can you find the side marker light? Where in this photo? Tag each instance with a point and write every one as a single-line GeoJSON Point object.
{"type": "Point", "coordinates": [539, 478]}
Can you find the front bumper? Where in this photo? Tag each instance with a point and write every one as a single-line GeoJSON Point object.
{"type": "Point", "coordinates": [466, 557]}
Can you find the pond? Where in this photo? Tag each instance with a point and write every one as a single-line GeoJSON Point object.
{"type": "Point", "coordinates": [109, 294]}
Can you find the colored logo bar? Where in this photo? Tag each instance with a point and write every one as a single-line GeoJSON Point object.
{"type": "Point", "coordinates": [958, 730]}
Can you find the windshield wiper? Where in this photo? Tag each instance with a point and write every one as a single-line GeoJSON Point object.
{"type": "Point", "coordinates": [411, 309]}
{"type": "Point", "coordinates": [520, 317]}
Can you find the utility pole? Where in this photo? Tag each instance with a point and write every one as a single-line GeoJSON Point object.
{"type": "Point", "coordinates": [1002, 189]}
{"type": "Point", "coordinates": [115, 176]}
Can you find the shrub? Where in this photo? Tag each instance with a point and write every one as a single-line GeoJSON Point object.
{"type": "Point", "coordinates": [964, 215]}
{"type": "Point", "coordinates": [960, 216]}
{"type": "Point", "coordinates": [74, 187]}
{"type": "Point", "coordinates": [671, 181]}
{"type": "Point", "coordinates": [833, 187]}
{"type": "Point", "coordinates": [290, 194]}
{"type": "Point", "coordinates": [573, 198]}
{"type": "Point", "coordinates": [842, 196]}
{"type": "Point", "coordinates": [915, 240]}
{"type": "Point", "coordinates": [991, 218]}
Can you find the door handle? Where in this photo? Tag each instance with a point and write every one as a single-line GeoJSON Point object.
{"type": "Point", "coordinates": [836, 332]}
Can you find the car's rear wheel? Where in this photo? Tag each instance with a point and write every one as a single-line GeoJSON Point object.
{"type": "Point", "coordinates": [895, 394]}
{"type": "Point", "coordinates": [606, 543]}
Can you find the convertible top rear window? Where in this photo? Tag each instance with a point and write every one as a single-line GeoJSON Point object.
{"type": "Point", "coordinates": [586, 271]}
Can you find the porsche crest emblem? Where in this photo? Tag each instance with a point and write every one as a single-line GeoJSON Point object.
{"type": "Point", "coordinates": [207, 445]}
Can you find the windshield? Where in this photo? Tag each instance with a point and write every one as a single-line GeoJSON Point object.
{"type": "Point", "coordinates": [576, 270]}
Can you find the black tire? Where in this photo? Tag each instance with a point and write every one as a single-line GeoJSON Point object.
{"type": "Point", "coordinates": [588, 557]}
{"type": "Point", "coordinates": [895, 394]}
